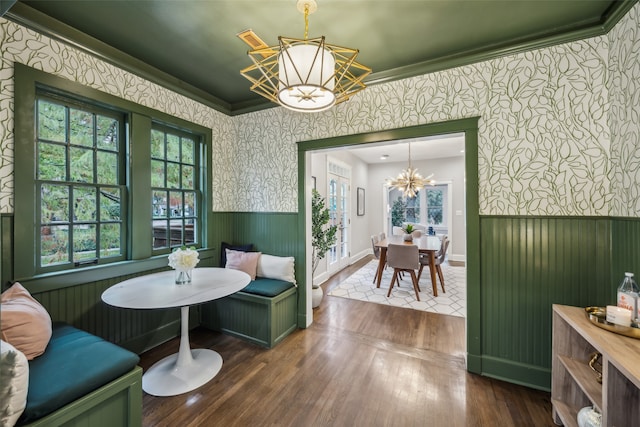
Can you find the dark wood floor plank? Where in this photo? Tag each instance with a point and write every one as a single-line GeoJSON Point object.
{"type": "Point", "coordinates": [358, 364]}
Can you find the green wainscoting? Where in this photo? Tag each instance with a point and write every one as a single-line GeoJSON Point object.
{"type": "Point", "coordinates": [528, 264]}
{"type": "Point", "coordinates": [625, 252]}
{"type": "Point", "coordinates": [271, 233]}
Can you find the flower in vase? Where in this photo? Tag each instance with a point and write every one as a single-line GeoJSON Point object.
{"type": "Point", "coordinates": [184, 258]}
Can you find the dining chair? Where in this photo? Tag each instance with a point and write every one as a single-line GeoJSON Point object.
{"type": "Point", "coordinates": [376, 252]}
{"type": "Point", "coordinates": [440, 256]}
{"type": "Point", "coordinates": [403, 258]}
{"type": "Point", "coordinates": [382, 236]}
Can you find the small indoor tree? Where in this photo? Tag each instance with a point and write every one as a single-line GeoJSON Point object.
{"type": "Point", "coordinates": [322, 237]}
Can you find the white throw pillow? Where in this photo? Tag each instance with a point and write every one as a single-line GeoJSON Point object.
{"type": "Point", "coordinates": [276, 267]}
{"type": "Point", "coordinates": [14, 371]}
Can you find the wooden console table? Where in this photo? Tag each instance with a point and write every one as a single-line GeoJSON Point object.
{"type": "Point", "coordinates": [574, 384]}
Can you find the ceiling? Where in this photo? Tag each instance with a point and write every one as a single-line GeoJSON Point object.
{"type": "Point", "coordinates": [191, 46]}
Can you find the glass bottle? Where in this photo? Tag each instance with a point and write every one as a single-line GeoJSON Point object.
{"type": "Point", "coordinates": [628, 292]}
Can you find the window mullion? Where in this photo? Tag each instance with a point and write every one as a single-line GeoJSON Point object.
{"type": "Point", "coordinates": [141, 212]}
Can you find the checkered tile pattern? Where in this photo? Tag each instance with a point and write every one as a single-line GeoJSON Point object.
{"type": "Point", "coordinates": [360, 286]}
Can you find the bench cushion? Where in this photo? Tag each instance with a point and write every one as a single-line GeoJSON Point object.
{"type": "Point", "coordinates": [74, 364]}
{"type": "Point", "coordinates": [267, 287]}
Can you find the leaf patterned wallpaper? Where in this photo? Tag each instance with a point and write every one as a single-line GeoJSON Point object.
{"type": "Point", "coordinates": [624, 75]}
{"type": "Point", "coordinates": [558, 131]}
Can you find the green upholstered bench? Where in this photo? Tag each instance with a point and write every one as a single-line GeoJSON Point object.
{"type": "Point", "coordinates": [82, 379]}
{"type": "Point", "coordinates": [264, 312]}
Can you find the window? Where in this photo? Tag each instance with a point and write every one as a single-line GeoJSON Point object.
{"type": "Point", "coordinates": [428, 207]}
{"type": "Point", "coordinates": [96, 177]}
{"type": "Point", "coordinates": [80, 183]}
{"type": "Point", "coordinates": [435, 204]}
{"type": "Point", "coordinates": [173, 182]}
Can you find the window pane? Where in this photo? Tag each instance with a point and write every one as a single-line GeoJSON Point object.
{"type": "Point", "coordinates": [109, 204]}
{"type": "Point", "coordinates": [188, 178]}
{"type": "Point", "coordinates": [107, 167]}
{"type": "Point", "coordinates": [107, 133]}
{"type": "Point", "coordinates": [52, 161]}
{"type": "Point", "coordinates": [51, 121]}
{"type": "Point", "coordinates": [189, 234]}
{"type": "Point", "coordinates": [187, 151]}
{"type": "Point", "coordinates": [190, 204]}
{"type": "Point", "coordinates": [81, 164]}
{"type": "Point", "coordinates": [54, 245]}
{"type": "Point", "coordinates": [160, 207]}
{"type": "Point", "coordinates": [157, 173]}
{"type": "Point", "coordinates": [159, 234]}
{"type": "Point", "coordinates": [173, 175]}
{"type": "Point", "coordinates": [84, 204]}
{"type": "Point", "coordinates": [157, 144]}
{"type": "Point", "coordinates": [175, 204]}
{"type": "Point", "coordinates": [54, 203]}
{"type": "Point", "coordinates": [110, 236]}
{"type": "Point", "coordinates": [175, 233]}
{"type": "Point", "coordinates": [84, 242]}
{"type": "Point", "coordinates": [173, 148]}
{"type": "Point", "coordinates": [80, 127]}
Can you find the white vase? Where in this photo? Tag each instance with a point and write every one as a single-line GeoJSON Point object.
{"type": "Point", "coordinates": [316, 296]}
{"type": "Point", "coordinates": [408, 237]}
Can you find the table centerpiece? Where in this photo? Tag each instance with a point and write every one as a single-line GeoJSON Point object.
{"type": "Point", "coordinates": [183, 260]}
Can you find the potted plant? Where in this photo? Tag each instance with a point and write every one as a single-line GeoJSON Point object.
{"type": "Point", "coordinates": [408, 230]}
{"type": "Point", "coordinates": [322, 238]}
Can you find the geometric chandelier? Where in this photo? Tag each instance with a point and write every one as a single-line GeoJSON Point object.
{"type": "Point", "coordinates": [409, 181]}
{"type": "Point", "coordinates": [305, 75]}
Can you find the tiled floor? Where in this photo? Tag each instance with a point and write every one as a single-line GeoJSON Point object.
{"type": "Point", "coordinates": [360, 286]}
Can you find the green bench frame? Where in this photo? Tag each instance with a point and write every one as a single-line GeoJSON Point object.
{"type": "Point", "coordinates": [118, 403]}
{"type": "Point", "coordinates": [258, 319]}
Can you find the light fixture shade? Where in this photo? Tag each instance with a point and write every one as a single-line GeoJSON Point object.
{"type": "Point", "coordinates": [307, 77]}
{"type": "Point", "coordinates": [294, 77]}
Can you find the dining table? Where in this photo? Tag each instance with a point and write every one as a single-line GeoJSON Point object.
{"type": "Point", "coordinates": [426, 244]}
{"type": "Point", "coordinates": [189, 368]}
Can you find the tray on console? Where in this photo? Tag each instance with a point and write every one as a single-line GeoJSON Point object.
{"type": "Point", "coordinates": [598, 316]}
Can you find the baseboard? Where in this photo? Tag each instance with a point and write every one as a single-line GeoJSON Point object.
{"type": "Point", "coordinates": [457, 258]}
{"type": "Point", "coordinates": [357, 257]}
{"type": "Point", "coordinates": [517, 373]}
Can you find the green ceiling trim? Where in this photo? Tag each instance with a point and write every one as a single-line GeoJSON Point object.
{"type": "Point", "coordinates": [44, 24]}
{"type": "Point", "coordinates": [35, 20]}
{"type": "Point", "coordinates": [511, 47]}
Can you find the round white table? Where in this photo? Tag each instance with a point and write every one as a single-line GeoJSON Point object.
{"type": "Point", "coordinates": [188, 369]}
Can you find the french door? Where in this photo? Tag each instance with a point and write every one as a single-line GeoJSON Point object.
{"type": "Point", "coordinates": [339, 214]}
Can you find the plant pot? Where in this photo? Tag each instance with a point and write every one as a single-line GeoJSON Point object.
{"type": "Point", "coordinates": [316, 296]}
{"type": "Point", "coordinates": [408, 238]}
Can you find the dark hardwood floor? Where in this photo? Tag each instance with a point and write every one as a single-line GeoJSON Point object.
{"type": "Point", "coordinates": [358, 364]}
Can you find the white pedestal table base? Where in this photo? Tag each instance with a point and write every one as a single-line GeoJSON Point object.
{"type": "Point", "coordinates": [184, 371]}
{"type": "Point", "coordinates": [165, 378]}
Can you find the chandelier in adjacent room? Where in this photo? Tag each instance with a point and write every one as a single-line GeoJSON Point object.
{"type": "Point", "coordinates": [409, 180]}
{"type": "Point", "coordinates": [305, 75]}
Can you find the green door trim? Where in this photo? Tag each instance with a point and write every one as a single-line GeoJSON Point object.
{"type": "Point", "coordinates": [470, 128]}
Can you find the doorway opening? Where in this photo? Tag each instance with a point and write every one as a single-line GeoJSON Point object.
{"type": "Point", "coordinates": [471, 213]}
